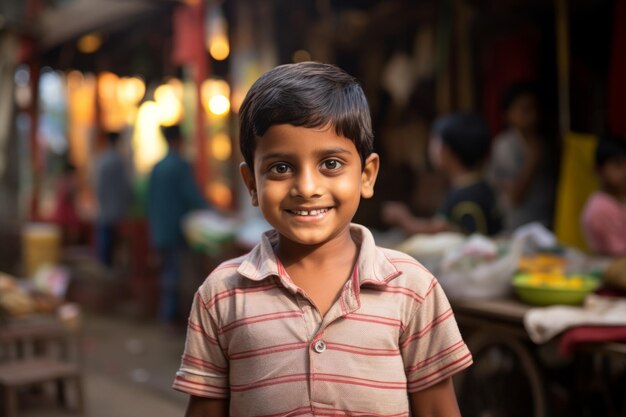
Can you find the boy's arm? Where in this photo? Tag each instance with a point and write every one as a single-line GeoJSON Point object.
{"type": "Point", "coordinates": [206, 407]}
{"type": "Point", "coordinates": [438, 400]}
{"type": "Point", "coordinates": [398, 214]}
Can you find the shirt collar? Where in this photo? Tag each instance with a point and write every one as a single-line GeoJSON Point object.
{"type": "Point", "coordinates": [372, 266]}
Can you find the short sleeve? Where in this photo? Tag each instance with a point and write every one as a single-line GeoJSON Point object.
{"type": "Point", "coordinates": [431, 345]}
{"type": "Point", "coordinates": [204, 368]}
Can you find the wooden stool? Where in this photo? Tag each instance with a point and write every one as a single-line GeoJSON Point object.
{"type": "Point", "coordinates": [36, 371]}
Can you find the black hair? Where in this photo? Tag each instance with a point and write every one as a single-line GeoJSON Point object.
{"type": "Point", "coordinates": [113, 137]}
{"type": "Point", "coordinates": [517, 90]}
{"type": "Point", "coordinates": [171, 133]}
{"type": "Point", "coordinates": [466, 135]}
{"type": "Point", "coordinates": [306, 94]}
{"type": "Point", "coordinates": [609, 148]}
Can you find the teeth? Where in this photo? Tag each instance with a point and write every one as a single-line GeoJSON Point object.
{"type": "Point", "coordinates": [309, 212]}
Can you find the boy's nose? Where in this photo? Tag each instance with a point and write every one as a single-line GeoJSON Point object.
{"type": "Point", "coordinates": [306, 185]}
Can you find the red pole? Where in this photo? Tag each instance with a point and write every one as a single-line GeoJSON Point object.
{"type": "Point", "coordinates": [32, 13]}
{"type": "Point", "coordinates": [202, 72]}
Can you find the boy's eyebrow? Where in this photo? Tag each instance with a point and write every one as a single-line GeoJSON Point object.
{"type": "Point", "coordinates": [320, 154]}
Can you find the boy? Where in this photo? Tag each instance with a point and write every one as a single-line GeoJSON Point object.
{"type": "Point", "coordinates": [522, 167]}
{"type": "Point", "coordinates": [459, 146]}
{"type": "Point", "coordinates": [604, 216]}
{"type": "Point", "coordinates": [316, 320]}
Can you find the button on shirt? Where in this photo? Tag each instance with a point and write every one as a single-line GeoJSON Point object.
{"type": "Point", "coordinates": [254, 336]}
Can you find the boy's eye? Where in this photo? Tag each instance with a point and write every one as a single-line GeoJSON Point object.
{"type": "Point", "coordinates": [280, 168]}
{"type": "Point", "coordinates": [331, 164]}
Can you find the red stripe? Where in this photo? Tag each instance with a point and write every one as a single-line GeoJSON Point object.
{"type": "Point", "coordinates": [230, 293]}
{"type": "Point", "coordinates": [362, 350]}
{"type": "Point", "coordinates": [404, 291]}
{"type": "Point", "coordinates": [374, 319]}
{"type": "Point", "coordinates": [269, 382]}
{"type": "Point", "coordinates": [268, 350]}
{"type": "Point", "coordinates": [260, 318]}
{"type": "Point", "coordinates": [443, 317]}
{"type": "Point", "coordinates": [355, 379]}
{"type": "Point", "coordinates": [410, 262]}
{"type": "Point", "coordinates": [335, 412]}
{"type": "Point", "coordinates": [291, 413]}
{"type": "Point", "coordinates": [225, 266]}
{"type": "Point", "coordinates": [194, 383]}
{"type": "Point", "coordinates": [203, 364]}
{"type": "Point", "coordinates": [198, 328]}
{"type": "Point", "coordinates": [466, 357]}
{"type": "Point", "coordinates": [432, 286]}
{"type": "Point", "coordinates": [442, 376]}
{"type": "Point", "coordinates": [363, 383]}
{"type": "Point", "coordinates": [427, 361]}
{"type": "Point", "coordinates": [182, 386]}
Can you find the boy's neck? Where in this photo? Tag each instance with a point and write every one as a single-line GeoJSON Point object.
{"type": "Point", "coordinates": [619, 195]}
{"type": "Point", "coordinates": [334, 252]}
{"type": "Point", "coordinates": [461, 177]}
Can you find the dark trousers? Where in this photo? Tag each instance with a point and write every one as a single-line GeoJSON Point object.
{"type": "Point", "coordinates": [170, 282]}
{"type": "Point", "coordinates": [106, 236]}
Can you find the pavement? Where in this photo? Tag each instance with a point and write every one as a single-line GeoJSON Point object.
{"type": "Point", "coordinates": [128, 364]}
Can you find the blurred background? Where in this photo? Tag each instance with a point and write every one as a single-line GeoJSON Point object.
{"type": "Point", "coordinates": [86, 87]}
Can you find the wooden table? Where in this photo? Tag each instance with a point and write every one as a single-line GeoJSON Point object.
{"type": "Point", "coordinates": [494, 331]}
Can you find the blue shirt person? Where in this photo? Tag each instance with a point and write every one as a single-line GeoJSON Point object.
{"type": "Point", "coordinates": [114, 194]}
{"type": "Point", "coordinates": [172, 193]}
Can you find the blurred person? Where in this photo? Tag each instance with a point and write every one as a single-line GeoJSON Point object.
{"type": "Point", "coordinates": [317, 319]}
{"type": "Point", "coordinates": [172, 193]}
{"type": "Point", "coordinates": [459, 146]}
{"type": "Point", "coordinates": [65, 212]}
{"type": "Point", "coordinates": [114, 194]}
{"type": "Point", "coordinates": [521, 168]}
{"type": "Point", "coordinates": [603, 218]}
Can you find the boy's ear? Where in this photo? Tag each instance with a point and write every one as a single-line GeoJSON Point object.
{"type": "Point", "coordinates": [369, 174]}
{"type": "Point", "coordinates": [248, 179]}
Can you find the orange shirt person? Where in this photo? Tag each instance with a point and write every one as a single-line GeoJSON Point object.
{"type": "Point", "coordinates": [316, 319]}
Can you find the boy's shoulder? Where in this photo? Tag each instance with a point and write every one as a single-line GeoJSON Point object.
{"type": "Point", "coordinates": [224, 277]}
{"type": "Point", "coordinates": [412, 274]}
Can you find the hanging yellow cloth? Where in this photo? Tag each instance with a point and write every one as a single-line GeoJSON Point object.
{"type": "Point", "coordinates": [576, 182]}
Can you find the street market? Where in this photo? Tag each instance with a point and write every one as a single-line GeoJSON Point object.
{"type": "Point", "coordinates": [501, 131]}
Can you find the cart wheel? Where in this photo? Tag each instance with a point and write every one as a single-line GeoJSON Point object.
{"type": "Point", "coordinates": [503, 382]}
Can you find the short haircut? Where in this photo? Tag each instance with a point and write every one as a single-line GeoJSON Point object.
{"type": "Point", "coordinates": [516, 91]}
{"type": "Point", "coordinates": [466, 135]}
{"type": "Point", "coordinates": [307, 94]}
{"type": "Point", "coordinates": [171, 133]}
{"type": "Point", "coordinates": [609, 148]}
{"type": "Point", "coordinates": [113, 137]}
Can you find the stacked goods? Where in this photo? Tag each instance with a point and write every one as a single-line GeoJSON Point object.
{"type": "Point", "coordinates": [17, 301]}
{"type": "Point", "coordinates": [14, 301]}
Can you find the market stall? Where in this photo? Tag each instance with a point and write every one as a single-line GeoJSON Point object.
{"type": "Point", "coordinates": [546, 324]}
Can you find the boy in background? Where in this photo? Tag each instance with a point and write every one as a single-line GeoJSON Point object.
{"type": "Point", "coordinates": [316, 319]}
{"type": "Point", "coordinates": [604, 215]}
{"type": "Point", "coordinates": [458, 147]}
{"type": "Point", "coordinates": [522, 168]}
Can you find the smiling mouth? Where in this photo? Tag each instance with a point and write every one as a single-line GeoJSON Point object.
{"type": "Point", "coordinates": [315, 212]}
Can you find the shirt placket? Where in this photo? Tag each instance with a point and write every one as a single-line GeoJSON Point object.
{"type": "Point", "coordinates": [346, 304]}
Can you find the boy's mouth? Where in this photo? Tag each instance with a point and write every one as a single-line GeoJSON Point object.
{"type": "Point", "coordinates": [315, 212]}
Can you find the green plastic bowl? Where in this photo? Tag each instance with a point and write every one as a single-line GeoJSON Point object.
{"type": "Point", "coordinates": [545, 295]}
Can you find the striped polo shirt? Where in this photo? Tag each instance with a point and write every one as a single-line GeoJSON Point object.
{"type": "Point", "coordinates": [256, 338]}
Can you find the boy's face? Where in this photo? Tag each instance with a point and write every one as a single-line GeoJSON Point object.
{"type": "Point", "coordinates": [523, 112]}
{"type": "Point", "coordinates": [308, 182]}
{"type": "Point", "coordinates": [613, 173]}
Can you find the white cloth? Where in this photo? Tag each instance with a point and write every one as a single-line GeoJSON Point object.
{"type": "Point", "coordinates": [542, 324]}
